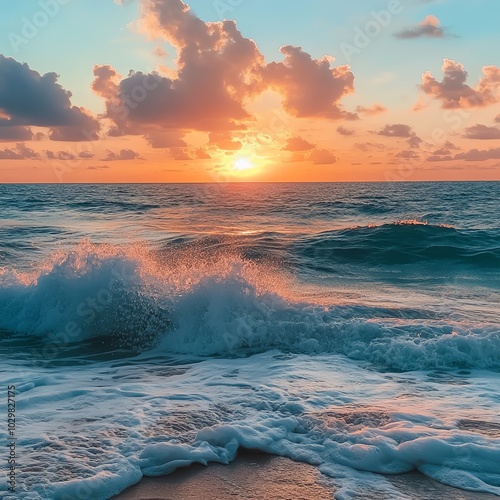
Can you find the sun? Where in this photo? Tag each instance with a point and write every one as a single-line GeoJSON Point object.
{"type": "Point", "coordinates": [242, 164]}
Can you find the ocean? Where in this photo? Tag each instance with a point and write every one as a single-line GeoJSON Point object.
{"type": "Point", "coordinates": [354, 327]}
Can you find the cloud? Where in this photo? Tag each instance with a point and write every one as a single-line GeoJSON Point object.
{"type": "Point", "coordinates": [67, 155]}
{"type": "Point", "coordinates": [396, 130]}
{"type": "Point", "coordinates": [180, 154]}
{"type": "Point", "coordinates": [482, 132]}
{"type": "Point", "coordinates": [453, 91]}
{"type": "Point", "coordinates": [97, 167]}
{"type": "Point", "coordinates": [73, 133]}
{"type": "Point", "coordinates": [497, 119]}
{"type": "Point", "coordinates": [224, 141]}
{"type": "Point", "coordinates": [201, 154]}
{"type": "Point", "coordinates": [124, 154]}
{"type": "Point", "coordinates": [429, 28]}
{"type": "Point", "coordinates": [479, 155]}
{"type": "Point", "coordinates": [414, 141]}
{"type": "Point", "coordinates": [219, 72]}
{"type": "Point", "coordinates": [20, 152]}
{"type": "Point", "coordinates": [60, 155]}
{"type": "Point", "coordinates": [345, 131]}
{"type": "Point", "coordinates": [372, 110]}
{"type": "Point", "coordinates": [310, 87]}
{"type": "Point", "coordinates": [443, 153]}
{"type": "Point", "coordinates": [450, 145]}
{"type": "Point", "coordinates": [408, 155]}
{"type": "Point", "coordinates": [369, 146]}
{"type": "Point", "coordinates": [146, 103]}
{"type": "Point", "coordinates": [86, 155]}
{"type": "Point", "coordinates": [160, 52]}
{"type": "Point", "coordinates": [30, 99]}
{"type": "Point", "coordinates": [403, 131]}
{"type": "Point", "coordinates": [437, 158]}
{"type": "Point", "coordinates": [298, 144]}
{"type": "Point", "coordinates": [322, 157]}
{"type": "Point", "coordinates": [13, 134]}
{"type": "Point", "coordinates": [166, 139]}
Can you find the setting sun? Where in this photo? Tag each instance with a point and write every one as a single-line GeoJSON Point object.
{"type": "Point", "coordinates": [243, 164]}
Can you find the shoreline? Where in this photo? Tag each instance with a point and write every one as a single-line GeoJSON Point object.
{"type": "Point", "coordinates": [255, 475]}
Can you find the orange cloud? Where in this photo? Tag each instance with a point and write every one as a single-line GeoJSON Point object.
{"type": "Point", "coordinates": [219, 72]}
{"type": "Point", "coordinates": [20, 152]}
{"type": "Point", "coordinates": [372, 110]}
{"type": "Point", "coordinates": [124, 154]}
{"type": "Point", "coordinates": [298, 144]}
{"type": "Point", "coordinates": [453, 91]}
{"type": "Point", "coordinates": [479, 155]}
{"type": "Point", "coordinates": [11, 134]}
{"type": "Point", "coordinates": [438, 158]}
{"type": "Point", "coordinates": [310, 87]}
{"type": "Point", "coordinates": [224, 141]}
{"type": "Point", "coordinates": [401, 130]}
{"type": "Point", "coordinates": [322, 157]}
{"type": "Point", "coordinates": [408, 154]}
{"type": "Point", "coordinates": [180, 154]}
{"type": "Point", "coordinates": [201, 154]}
{"type": "Point", "coordinates": [165, 139]}
{"type": "Point", "coordinates": [429, 27]}
{"type": "Point", "coordinates": [473, 155]}
{"type": "Point", "coordinates": [345, 131]}
{"type": "Point", "coordinates": [482, 132]}
{"type": "Point", "coordinates": [369, 146]}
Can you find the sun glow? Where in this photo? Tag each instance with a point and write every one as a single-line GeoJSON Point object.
{"type": "Point", "coordinates": [243, 164]}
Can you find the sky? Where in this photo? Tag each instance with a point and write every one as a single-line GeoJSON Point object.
{"type": "Point", "coordinates": [249, 90]}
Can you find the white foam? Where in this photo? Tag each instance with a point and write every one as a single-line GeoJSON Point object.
{"type": "Point", "coordinates": [351, 422]}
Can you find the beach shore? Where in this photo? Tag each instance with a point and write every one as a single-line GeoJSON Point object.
{"type": "Point", "coordinates": [257, 476]}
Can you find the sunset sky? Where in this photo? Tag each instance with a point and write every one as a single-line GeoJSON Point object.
{"type": "Point", "coordinates": [249, 90]}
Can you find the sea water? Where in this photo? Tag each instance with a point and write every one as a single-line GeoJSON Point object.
{"type": "Point", "coordinates": [354, 327]}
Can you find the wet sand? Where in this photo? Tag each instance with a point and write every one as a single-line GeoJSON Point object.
{"type": "Point", "coordinates": [256, 476]}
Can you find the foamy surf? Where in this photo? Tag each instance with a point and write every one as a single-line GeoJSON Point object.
{"type": "Point", "coordinates": [351, 422]}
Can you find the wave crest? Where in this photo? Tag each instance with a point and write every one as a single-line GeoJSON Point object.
{"type": "Point", "coordinates": [403, 242]}
{"type": "Point", "coordinates": [222, 307]}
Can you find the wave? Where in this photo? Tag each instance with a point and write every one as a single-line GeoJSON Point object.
{"type": "Point", "coordinates": [90, 292]}
{"type": "Point", "coordinates": [403, 242]}
{"type": "Point", "coordinates": [186, 303]}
